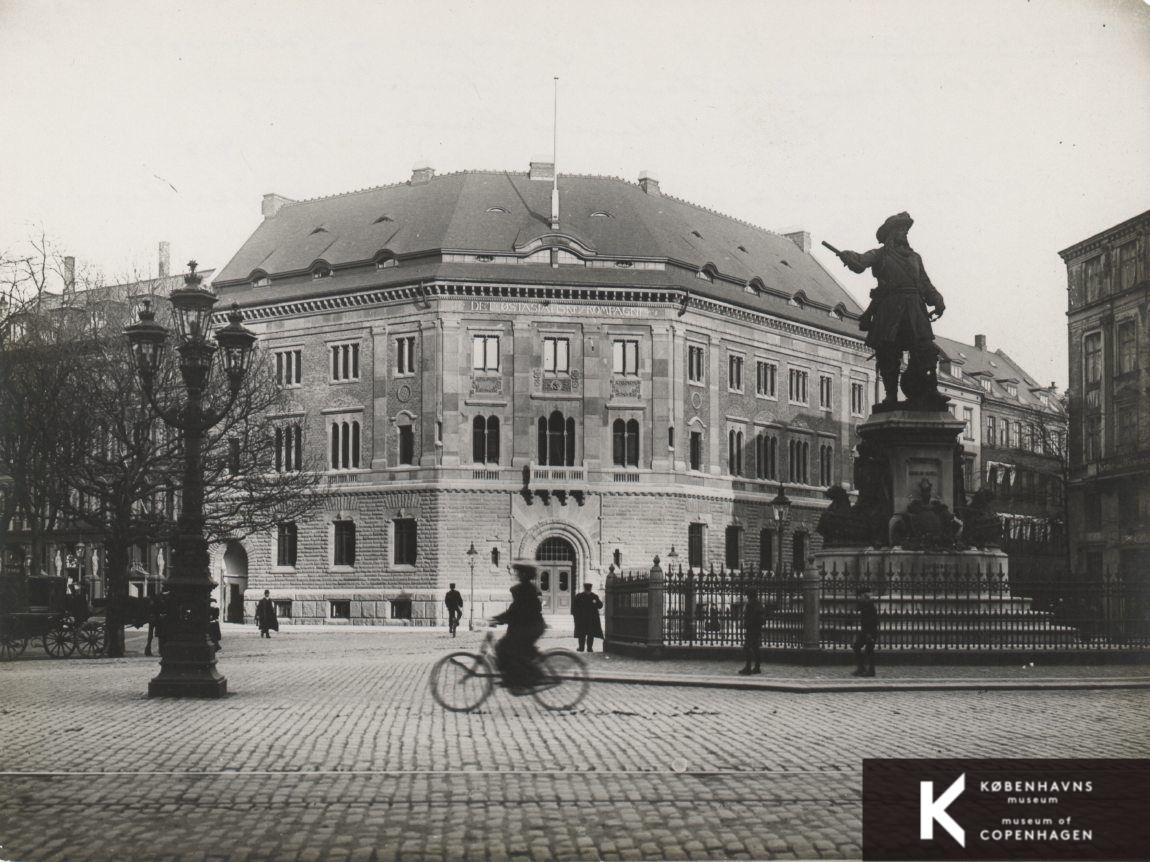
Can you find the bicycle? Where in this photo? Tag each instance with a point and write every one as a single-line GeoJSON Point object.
{"type": "Point", "coordinates": [462, 681]}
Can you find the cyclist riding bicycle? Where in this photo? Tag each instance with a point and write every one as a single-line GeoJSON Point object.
{"type": "Point", "coordinates": [516, 651]}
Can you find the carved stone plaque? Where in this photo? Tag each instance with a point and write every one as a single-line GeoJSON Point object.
{"type": "Point", "coordinates": [626, 388]}
{"type": "Point", "coordinates": [403, 393]}
{"type": "Point", "coordinates": [487, 385]}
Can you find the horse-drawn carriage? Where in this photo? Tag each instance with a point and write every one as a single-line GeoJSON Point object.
{"type": "Point", "coordinates": [40, 608]}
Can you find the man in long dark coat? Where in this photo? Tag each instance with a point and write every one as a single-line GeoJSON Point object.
{"type": "Point", "coordinates": [897, 319]}
{"type": "Point", "coordinates": [867, 637]}
{"type": "Point", "coordinates": [585, 609]}
{"type": "Point", "coordinates": [266, 616]}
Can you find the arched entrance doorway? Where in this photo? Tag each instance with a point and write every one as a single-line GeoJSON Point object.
{"type": "Point", "coordinates": [556, 560]}
{"type": "Point", "coordinates": [235, 580]}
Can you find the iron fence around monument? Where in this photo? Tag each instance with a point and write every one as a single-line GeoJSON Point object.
{"type": "Point", "coordinates": [928, 609]}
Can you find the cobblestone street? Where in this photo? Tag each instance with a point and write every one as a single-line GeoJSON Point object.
{"type": "Point", "coordinates": [329, 747]}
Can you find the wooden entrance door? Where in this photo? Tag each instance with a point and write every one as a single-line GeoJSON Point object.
{"type": "Point", "coordinates": [555, 583]}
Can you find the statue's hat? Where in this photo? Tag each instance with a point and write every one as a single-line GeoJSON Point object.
{"type": "Point", "coordinates": [893, 221]}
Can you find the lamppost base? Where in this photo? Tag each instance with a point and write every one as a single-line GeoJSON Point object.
{"type": "Point", "coordinates": [208, 684]}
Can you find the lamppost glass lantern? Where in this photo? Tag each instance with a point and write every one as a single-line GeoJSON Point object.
{"type": "Point", "coordinates": [471, 555]}
{"type": "Point", "coordinates": [781, 509]}
{"type": "Point", "coordinates": [192, 308]}
{"type": "Point", "coordinates": [147, 340]}
{"type": "Point", "coordinates": [237, 341]}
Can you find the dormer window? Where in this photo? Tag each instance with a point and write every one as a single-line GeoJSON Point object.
{"type": "Point", "coordinates": [382, 219]}
{"type": "Point", "coordinates": [320, 229]}
{"type": "Point", "coordinates": [986, 383]}
{"type": "Point", "coordinates": [260, 279]}
{"type": "Point", "coordinates": [840, 311]}
{"type": "Point", "coordinates": [799, 300]}
{"type": "Point", "coordinates": [601, 214]}
{"type": "Point", "coordinates": [1011, 389]}
{"type": "Point", "coordinates": [484, 258]}
{"type": "Point", "coordinates": [707, 273]}
{"type": "Point", "coordinates": [695, 233]}
{"type": "Point", "coordinates": [756, 286]}
{"type": "Point", "coordinates": [743, 249]}
{"type": "Point", "coordinates": [498, 210]}
{"type": "Point", "coordinates": [386, 263]}
{"type": "Point", "coordinates": [321, 270]}
{"type": "Point", "coordinates": [624, 264]}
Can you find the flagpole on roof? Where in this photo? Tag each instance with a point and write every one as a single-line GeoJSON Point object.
{"type": "Point", "coordinates": [555, 159]}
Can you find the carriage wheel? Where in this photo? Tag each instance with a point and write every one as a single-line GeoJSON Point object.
{"type": "Point", "coordinates": [60, 640]}
{"type": "Point", "coordinates": [90, 639]}
{"type": "Point", "coordinates": [11, 646]}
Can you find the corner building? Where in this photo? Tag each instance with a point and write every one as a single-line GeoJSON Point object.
{"type": "Point", "coordinates": [586, 388]}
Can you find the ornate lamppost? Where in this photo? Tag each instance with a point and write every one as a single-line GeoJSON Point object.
{"type": "Point", "coordinates": [188, 666]}
{"type": "Point", "coordinates": [471, 555]}
{"type": "Point", "coordinates": [781, 510]}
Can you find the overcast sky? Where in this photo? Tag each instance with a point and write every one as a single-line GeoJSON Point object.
{"type": "Point", "coordinates": [1009, 130]}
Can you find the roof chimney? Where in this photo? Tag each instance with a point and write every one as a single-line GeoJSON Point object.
{"type": "Point", "coordinates": [649, 184]}
{"type": "Point", "coordinates": [980, 342]}
{"type": "Point", "coordinates": [802, 239]}
{"type": "Point", "coordinates": [273, 203]}
{"type": "Point", "coordinates": [165, 259]}
{"type": "Point", "coordinates": [69, 275]}
{"type": "Point", "coordinates": [421, 175]}
{"type": "Point", "coordinates": [542, 170]}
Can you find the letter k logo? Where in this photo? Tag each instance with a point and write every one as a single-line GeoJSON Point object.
{"type": "Point", "coordinates": [931, 810]}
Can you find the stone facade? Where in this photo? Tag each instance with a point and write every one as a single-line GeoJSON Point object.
{"type": "Point", "coordinates": [632, 419]}
{"type": "Point", "coordinates": [1108, 292]}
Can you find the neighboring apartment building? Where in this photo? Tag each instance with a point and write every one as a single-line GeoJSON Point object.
{"type": "Point", "coordinates": [1108, 283]}
{"type": "Point", "coordinates": [1020, 448]}
{"type": "Point", "coordinates": [585, 373]}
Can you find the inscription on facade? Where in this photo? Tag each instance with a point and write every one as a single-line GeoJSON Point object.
{"type": "Point", "coordinates": [487, 385]}
{"type": "Point", "coordinates": [625, 389]}
{"type": "Point", "coordinates": [567, 310]}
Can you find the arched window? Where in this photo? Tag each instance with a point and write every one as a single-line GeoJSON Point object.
{"type": "Point", "coordinates": [826, 464]}
{"type": "Point", "coordinates": [406, 444]}
{"type": "Point", "coordinates": [289, 448]}
{"type": "Point", "coordinates": [735, 452]}
{"type": "Point", "coordinates": [485, 440]}
{"type": "Point", "coordinates": [345, 444]}
{"type": "Point", "coordinates": [625, 443]}
{"type": "Point", "coordinates": [800, 452]}
{"type": "Point", "coordinates": [557, 440]}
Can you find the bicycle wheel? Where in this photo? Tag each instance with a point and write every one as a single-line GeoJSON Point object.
{"type": "Point", "coordinates": [461, 681]}
{"type": "Point", "coordinates": [565, 680]}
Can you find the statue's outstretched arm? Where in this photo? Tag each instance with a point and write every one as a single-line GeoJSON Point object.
{"type": "Point", "coordinates": [856, 262]}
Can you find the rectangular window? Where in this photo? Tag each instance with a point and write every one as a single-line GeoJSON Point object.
{"type": "Point", "coordinates": [1093, 275]}
{"type": "Point", "coordinates": [283, 608]}
{"type": "Point", "coordinates": [288, 369]}
{"type": "Point", "coordinates": [286, 544]}
{"type": "Point", "coordinates": [345, 362]}
{"type": "Point", "coordinates": [1092, 437]}
{"type": "Point", "coordinates": [695, 363]}
{"type": "Point", "coordinates": [766, 379]}
{"type": "Point", "coordinates": [798, 386]}
{"type": "Point", "coordinates": [826, 464]}
{"type": "Point", "coordinates": [401, 609]}
{"type": "Point", "coordinates": [289, 448]}
{"type": "Point", "coordinates": [1127, 427]}
{"type": "Point", "coordinates": [233, 455]}
{"type": "Point", "coordinates": [1127, 265]}
{"type": "Point", "coordinates": [485, 353]}
{"type": "Point", "coordinates": [695, 533]}
{"type": "Point", "coordinates": [735, 373]}
{"type": "Point", "coordinates": [339, 610]}
{"type": "Point", "coordinates": [968, 423]}
{"type": "Point", "coordinates": [1127, 346]}
{"type": "Point", "coordinates": [826, 390]}
{"type": "Point", "coordinates": [556, 355]}
{"type": "Point", "coordinates": [344, 552]}
{"type": "Point", "coordinates": [405, 549]}
{"type": "Point", "coordinates": [406, 444]}
{"type": "Point", "coordinates": [1007, 442]}
{"type": "Point", "coordinates": [991, 432]}
{"type": "Point", "coordinates": [858, 398]}
{"type": "Point", "coordinates": [1092, 360]}
{"type": "Point", "coordinates": [625, 357]}
{"type": "Point", "coordinates": [696, 450]}
{"type": "Point", "coordinates": [405, 356]}
{"type": "Point", "coordinates": [734, 540]}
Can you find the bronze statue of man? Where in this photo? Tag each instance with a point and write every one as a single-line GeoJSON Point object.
{"type": "Point", "coordinates": [897, 320]}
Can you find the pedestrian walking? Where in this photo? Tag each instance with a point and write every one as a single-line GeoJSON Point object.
{"type": "Point", "coordinates": [454, 602]}
{"type": "Point", "coordinates": [214, 632]}
{"type": "Point", "coordinates": [754, 615]}
{"type": "Point", "coordinates": [868, 635]}
{"type": "Point", "coordinates": [585, 609]}
{"type": "Point", "coordinates": [266, 616]}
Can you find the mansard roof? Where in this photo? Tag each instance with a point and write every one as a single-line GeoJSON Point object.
{"type": "Point", "coordinates": [999, 367]}
{"type": "Point", "coordinates": [508, 214]}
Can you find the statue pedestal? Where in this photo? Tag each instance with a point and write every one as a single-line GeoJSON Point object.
{"type": "Point", "coordinates": [917, 445]}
